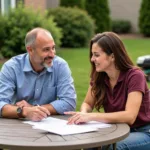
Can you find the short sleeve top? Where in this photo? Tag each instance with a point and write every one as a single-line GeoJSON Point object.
{"type": "Point", "coordinates": [129, 81]}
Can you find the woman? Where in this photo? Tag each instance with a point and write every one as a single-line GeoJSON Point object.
{"type": "Point", "coordinates": [120, 87]}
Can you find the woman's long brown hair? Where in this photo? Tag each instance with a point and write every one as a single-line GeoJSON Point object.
{"type": "Point", "coordinates": [110, 43]}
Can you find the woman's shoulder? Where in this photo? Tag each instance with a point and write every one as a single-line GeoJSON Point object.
{"type": "Point", "coordinates": [135, 72]}
{"type": "Point", "coordinates": [135, 76]}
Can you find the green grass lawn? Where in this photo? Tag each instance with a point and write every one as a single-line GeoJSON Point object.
{"type": "Point", "coordinates": [78, 60]}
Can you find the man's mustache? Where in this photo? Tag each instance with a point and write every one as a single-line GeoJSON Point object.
{"type": "Point", "coordinates": [48, 58]}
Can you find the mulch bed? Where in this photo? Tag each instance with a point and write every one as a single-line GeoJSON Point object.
{"type": "Point", "coordinates": [3, 60]}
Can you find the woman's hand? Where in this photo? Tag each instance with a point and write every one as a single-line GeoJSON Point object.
{"type": "Point", "coordinates": [78, 117]}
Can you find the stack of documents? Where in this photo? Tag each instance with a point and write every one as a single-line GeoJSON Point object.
{"type": "Point", "coordinates": [59, 126]}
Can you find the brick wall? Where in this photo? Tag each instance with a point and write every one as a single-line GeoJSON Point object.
{"type": "Point", "coordinates": [41, 4]}
{"type": "Point", "coordinates": [36, 4]}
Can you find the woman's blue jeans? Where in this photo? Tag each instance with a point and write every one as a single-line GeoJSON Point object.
{"type": "Point", "coordinates": [138, 139]}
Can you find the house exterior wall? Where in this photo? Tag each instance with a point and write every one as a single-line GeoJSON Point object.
{"type": "Point", "coordinates": [5, 5]}
{"type": "Point", "coordinates": [126, 10]}
{"type": "Point", "coordinates": [35, 4]}
{"type": "Point", "coordinates": [119, 9]}
{"type": "Point", "coordinates": [52, 3]}
{"type": "Point", "coordinates": [41, 5]}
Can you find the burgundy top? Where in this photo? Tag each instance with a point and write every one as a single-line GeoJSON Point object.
{"type": "Point", "coordinates": [132, 80]}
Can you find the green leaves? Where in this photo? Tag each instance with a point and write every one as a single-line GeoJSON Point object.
{"type": "Point", "coordinates": [144, 19]}
{"type": "Point", "coordinates": [17, 23]}
{"type": "Point", "coordinates": [77, 26]}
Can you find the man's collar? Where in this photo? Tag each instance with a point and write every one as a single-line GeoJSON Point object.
{"type": "Point", "coordinates": [27, 65]}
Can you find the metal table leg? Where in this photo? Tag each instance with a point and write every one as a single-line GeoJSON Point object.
{"type": "Point", "coordinates": [114, 146]}
{"type": "Point", "coordinates": [108, 146]}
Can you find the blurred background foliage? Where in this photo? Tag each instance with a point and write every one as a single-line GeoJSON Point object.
{"type": "Point", "coordinates": [73, 3]}
{"type": "Point", "coordinates": [77, 26]}
{"type": "Point", "coordinates": [17, 23]}
{"type": "Point", "coordinates": [144, 18]}
{"type": "Point", "coordinates": [72, 24]}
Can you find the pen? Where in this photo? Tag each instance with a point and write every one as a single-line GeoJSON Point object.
{"type": "Point", "coordinates": [36, 105]}
{"type": "Point", "coordinates": [39, 106]}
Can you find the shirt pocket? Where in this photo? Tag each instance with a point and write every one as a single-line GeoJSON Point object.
{"type": "Point", "coordinates": [49, 94]}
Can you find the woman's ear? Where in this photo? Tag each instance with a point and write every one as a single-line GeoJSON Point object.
{"type": "Point", "coordinates": [113, 57]}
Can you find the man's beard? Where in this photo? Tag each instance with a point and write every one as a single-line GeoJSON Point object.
{"type": "Point", "coordinates": [44, 64]}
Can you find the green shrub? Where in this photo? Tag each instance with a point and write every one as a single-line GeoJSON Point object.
{"type": "Point", "coordinates": [72, 3]}
{"type": "Point", "coordinates": [144, 19]}
{"type": "Point", "coordinates": [3, 31]}
{"type": "Point", "coordinates": [77, 26]}
{"type": "Point", "coordinates": [18, 23]}
{"type": "Point", "coordinates": [121, 26]}
{"type": "Point", "coordinates": [99, 11]}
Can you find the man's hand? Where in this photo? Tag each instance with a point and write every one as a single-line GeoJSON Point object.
{"type": "Point", "coordinates": [35, 113]}
{"type": "Point", "coordinates": [23, 103]}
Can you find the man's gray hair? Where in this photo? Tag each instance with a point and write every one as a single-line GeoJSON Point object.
{"type": "Point", "coordinates": [32, 35]}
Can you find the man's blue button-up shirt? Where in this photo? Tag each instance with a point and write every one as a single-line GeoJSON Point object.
{"type": "Point", "coordinates": [54, 85]}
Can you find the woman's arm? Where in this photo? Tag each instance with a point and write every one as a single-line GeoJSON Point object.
{"type": "Point", "coordinates": [127, 116]}
{"type": "Point", "coordinates": [88, 104]}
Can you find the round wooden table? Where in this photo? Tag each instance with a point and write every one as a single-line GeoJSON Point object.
{"type": "Point", "coordinates": [16, 135]}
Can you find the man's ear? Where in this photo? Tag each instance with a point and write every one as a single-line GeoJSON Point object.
{"type": "Point", "coordinates": [29, 49]}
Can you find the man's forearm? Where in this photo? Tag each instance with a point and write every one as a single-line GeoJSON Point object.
{"type": "Point", "coordinates": [9, 111]}
{"type": "Point", "coordinates": [51, 109]}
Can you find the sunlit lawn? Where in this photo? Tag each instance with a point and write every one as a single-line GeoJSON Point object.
{"type": "Point", "coordinates": [78, 60]}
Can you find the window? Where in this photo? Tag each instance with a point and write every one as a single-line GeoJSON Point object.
{"type": "Point", "coordinates": [5, 5]}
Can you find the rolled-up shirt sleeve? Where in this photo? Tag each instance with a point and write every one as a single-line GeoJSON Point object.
{"type": "Point", "coordinates": [7, 86]}
{"type": "Point", "coordinates": [66, 95]}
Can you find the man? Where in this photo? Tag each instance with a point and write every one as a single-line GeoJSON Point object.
{"type": "Point", "coordinates": [38, 83]}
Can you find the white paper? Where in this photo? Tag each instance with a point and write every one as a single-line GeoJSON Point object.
{"type": "Point", "coordinates": [66, 129]}
{"type": "Point", "coordinates": [59, 126]}
{"type": "Point", "coordinates": [96, 124]}
{"type": "Point", "coordinates": [50, 121]}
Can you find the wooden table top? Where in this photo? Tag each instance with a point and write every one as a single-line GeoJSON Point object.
{"type": "Point", "coordinates": [16, 135]}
